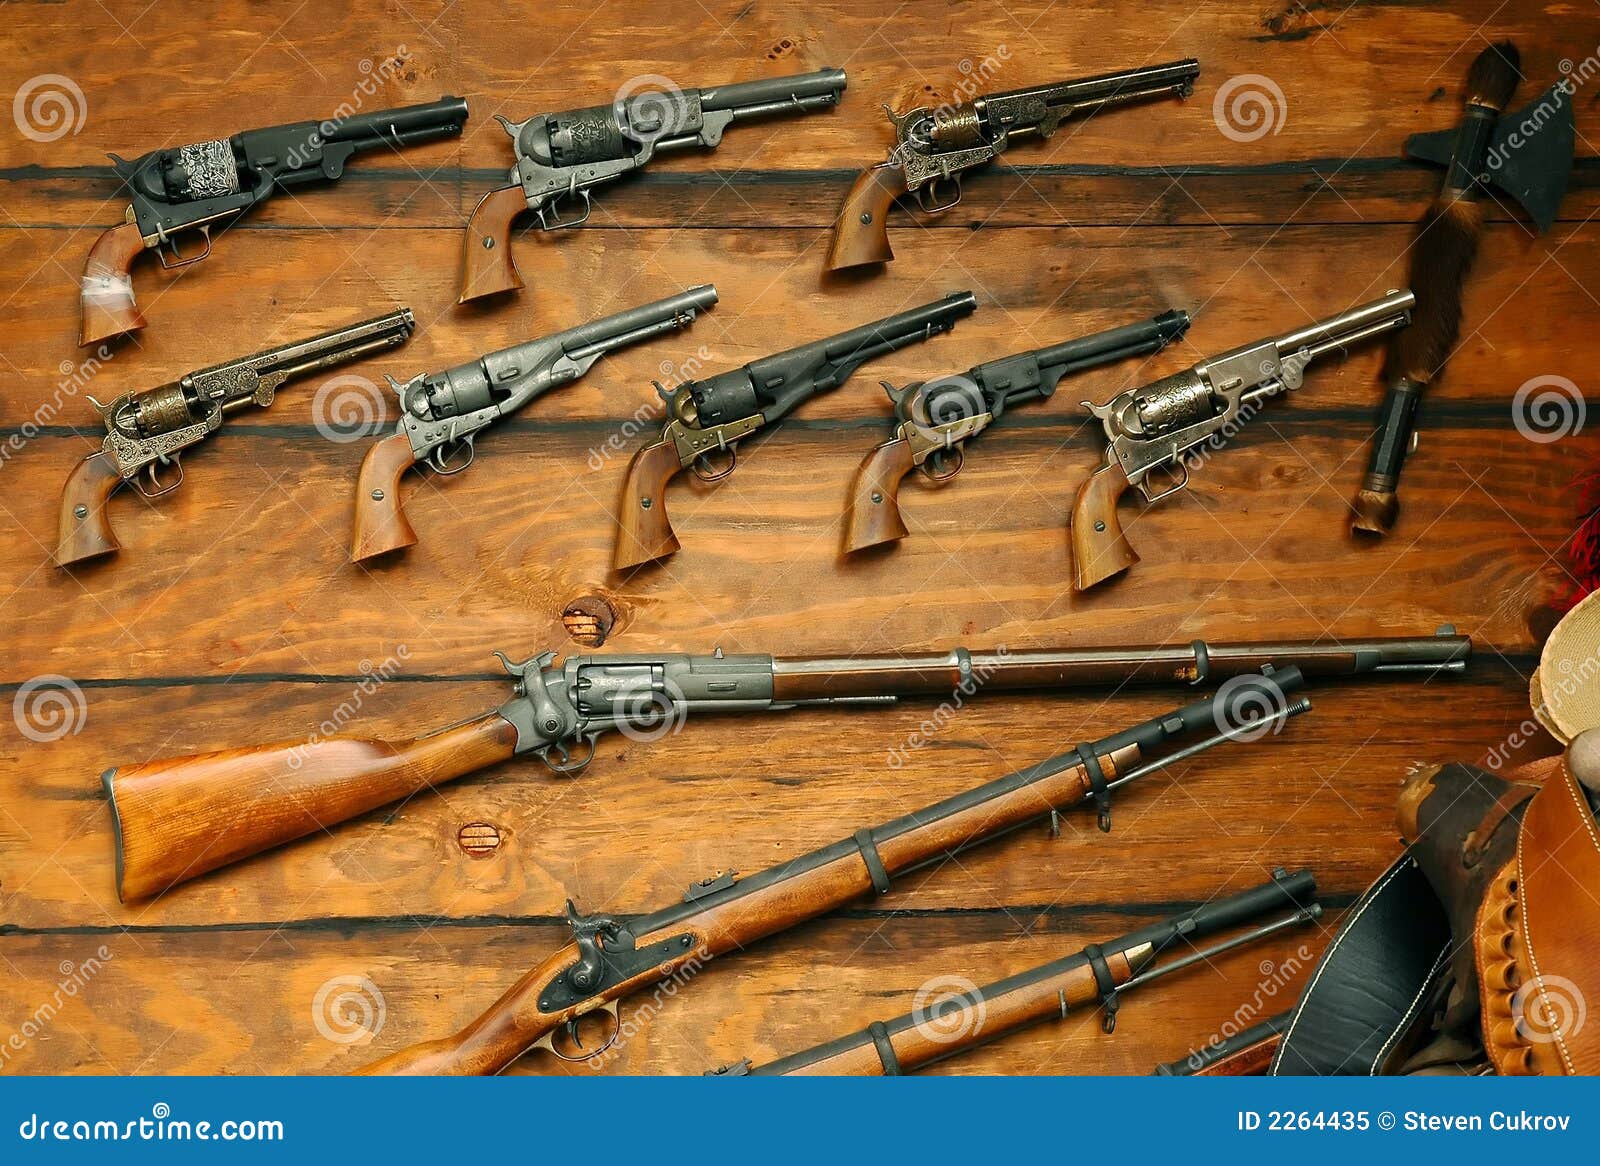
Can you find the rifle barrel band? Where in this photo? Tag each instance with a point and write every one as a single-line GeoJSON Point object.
{"type": "Point", "coordinates": [869, 855]}
{"type": "Point", "coordinates": [1105, 984]}
{"type": "Point", "coordinates": [1098, 789]}
{"type": "Point", "coordinates": [1202, 662]}
{"type": "Point", "coordinates": [885, 1047]}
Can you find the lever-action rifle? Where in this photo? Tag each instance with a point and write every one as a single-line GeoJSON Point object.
{"type": "Point", "coordinates": [442, 413]}
{"type": "Point", "coordinates": [184, 816]}
{"type": "Point", "coordinates": [1099, 974]}
{"type": "Point", "coordinates": [147, 431]}
{"type": "Point", "coordinates": [199, 186]}
{"type": "Point", "coordinates": [1155, 428]}
{"type": "Point", "coordinates": [562, 156]}
{"type": "Point", "coordinates": [707, 419]}
{"type": "Point", "coordinates": [611, 957]}
{"type": "Point", "coordinates": [933, 146]}
{"type": "Point", "coordinates": [935, 419]}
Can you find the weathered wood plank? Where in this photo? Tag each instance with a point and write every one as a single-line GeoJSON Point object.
{"type": "Point", "coordinates": [252, 1001]}
{"type": "Point", "coordinates": [1034, 288]}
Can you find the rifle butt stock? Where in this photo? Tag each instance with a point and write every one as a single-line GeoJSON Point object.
{"type": "Point", "coordinates": [644, 529]}
{"type": "Point", "coordinates": [105, 294]}
{"type": "Point", "coordinates": [861, 233]}
{"type": "Point", "coordinates": [1099, 548]}
{"type": "Point", "coordinates": [874, 516]}
{"type": "Point", "coordinates": [487, 267]}
{"type": "Point", "coordinates": [181, 817]}
{"type": "Point", "coordinates": [380, 525]}
{"type": "Point", "coordinates": [83, 529]}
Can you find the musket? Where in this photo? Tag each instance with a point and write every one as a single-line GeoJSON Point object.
{"type": "Point", "coordinates": [935, 419]}
{"type": "Point", "coordinates": [934, 145]}
{"type": "Point", "coordinates": [1101, 974]}
{"type": "Point", "coordinates": [180, 817]}
{"type": "Point", "coordinates": [442, 413]}
{"type": "Point", "coordinates": [562, 156]}
{"type": "Point", "coordinates": [612, 956]}
{"type": "Point", "coordinates": [208, 184]}
{"type": "Point", "coordinates": [148, 431]}
{"type": "Point", "coordinates": [707, 419]}
{"type": "Point", "coordinates": [1156, 428]}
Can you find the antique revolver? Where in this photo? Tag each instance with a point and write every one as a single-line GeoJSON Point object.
{"type": "Point", "coordinates": [562, 156]}
{"type": "Point", "coordinates": [1158, 426]}
{"type": "Point", "coordinates": [441, 414]}
{"type": "Point", "coordinates": [195, 187]}
{"type": "Point", "coordinates": [147, 432]}
{"type": "Point", "coordinates": [706, 419]}
{"type": "Point", "coordinates": [933, 145]}
{"type": "Point", "coordinates": [937, 418]}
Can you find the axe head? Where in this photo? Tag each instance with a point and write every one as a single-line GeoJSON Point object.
{"type": "Point", "coordinates": [1530, 153]}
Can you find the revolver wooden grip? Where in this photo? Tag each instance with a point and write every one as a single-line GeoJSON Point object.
{"type": "Point", "coordinates": [486, 263]}
{"type": "Point", "coordinates": [184, 816]}
{"type": "Point", "coordinates": [380, 525]}
{"type": "Point", "coordinates": [83, 531]}
{"type": "Point", "coordinates": [106, 291]}
{"type": "Point", "coordinates": [874, 516]}
{"type": "Point", "coordinates": [861, 235]}
{"type": "Point", "coordinates": [644, 530]}
{"type": "Point", "coordinates": [1099, 548]}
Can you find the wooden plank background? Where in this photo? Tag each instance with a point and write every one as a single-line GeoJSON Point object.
{"type": "Point", "coordinates": [232, 614]}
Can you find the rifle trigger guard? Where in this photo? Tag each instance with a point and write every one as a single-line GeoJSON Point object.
{"type": "Point", "coordinates": [563, 762]}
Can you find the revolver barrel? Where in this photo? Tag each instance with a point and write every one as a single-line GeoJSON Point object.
{"type": "Point", "coordinates": [773, 94]}
{"type": "Point", "coordinates": [1111, 88]}
{"type": "Point", "coordinates": [901, 329]}
{"type": "Point", "coordinates": [1381, 315]}
{"type": "Point", "coordinates": [635, 324]}
{"type": "Point", "coordinates": [410, 123]}
{"type": "Point", "coordinates": [1132, 339]}
{"type": "Point", "coordinates": [302, 356]}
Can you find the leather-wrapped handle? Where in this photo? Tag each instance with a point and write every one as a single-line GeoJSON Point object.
{"type": "Point", "coordinates": [106, 292]}
{"type": "Point", "coordinates": [83, 529]}
{"type": "Point", "coordinates": [1099, 548]}
{"type": "Point", "coordinates": [874, 514]}
{"type": "Point", "coordinates": [380, 524]}
{"type": "Point", "coordinates": [486, 264]}
{"type": "Point", "coordinates": [644, 531]}
{"type": "Point", "coordinates": [861, 233]}
{"type": "Point", "coordinates": [183, 816]}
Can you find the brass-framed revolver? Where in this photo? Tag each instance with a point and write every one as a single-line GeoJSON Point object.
{"type": "Point", "coordinates": [935, 145]}
{"type": "Point", "coordinates": [1153, 430]}
{"type": "Point", "coordinates": [148, 431]}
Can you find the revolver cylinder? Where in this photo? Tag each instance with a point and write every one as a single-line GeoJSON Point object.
{"type": "Point", "coordinates": [1172, 403]}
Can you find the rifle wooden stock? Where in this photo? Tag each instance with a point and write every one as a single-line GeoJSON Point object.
{"type": "Point", "coordinates": [83, 530]}
{"type": "Point", "coordinates": [486, 264]}
{"type": "Point", "coordinates": [1099, 548]}
{"type": "Point", "coordinates": [765, 904]}
{"type": "Point", "coordinates": [184, 816]}
{"type": "Point", "coordinates": [106, 292]}
{"type": "Point", "coordinates": [380, 525]}
{"type": "Point", "coordinates": [861, 233]}
{"type": "Point", "coordinates": [644, 529]}
{"type": "Point", "coordinates": [874, 515]}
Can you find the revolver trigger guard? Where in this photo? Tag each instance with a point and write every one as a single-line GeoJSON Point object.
{"type": "Point", "coordinates": [942, 456]}
{"type": "Point", "coordinates": [156, 489]}
{"type": "Point", "coordinates": [702, 465]}
{"type": "Point", "coordinates": [925, 195]}
{"type": "Point", "coordinates": [440, 457]}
